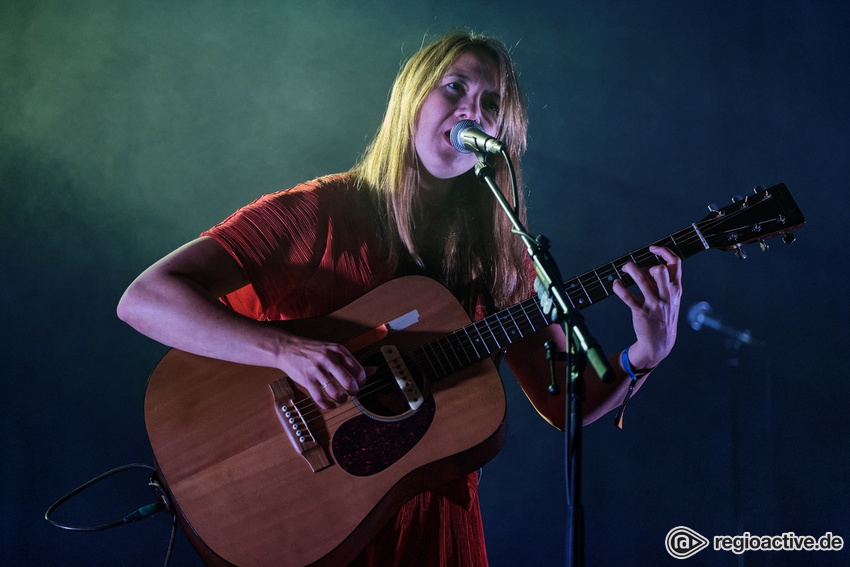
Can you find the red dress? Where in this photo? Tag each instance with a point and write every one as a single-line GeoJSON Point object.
{"type": "Point", "coordinates": [307, 252]}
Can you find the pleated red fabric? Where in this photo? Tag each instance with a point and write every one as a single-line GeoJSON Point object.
{"type": "Point", "coordinates": [437, 528]}
{"type": "Point", "coordinates": [307, 252]}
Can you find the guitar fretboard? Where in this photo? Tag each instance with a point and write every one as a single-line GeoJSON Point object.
{"type": "Point", "coordinates": [766, 213]}
{"type": "Point", "coordinates": [497, 331]}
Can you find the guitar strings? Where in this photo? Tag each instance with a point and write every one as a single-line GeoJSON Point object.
{"type": "Point", "coordinates": [463, 342]}
{"type": "Point", "coordinates": [591, 282]}
{"type": "Point", "coordinates": [381, 378]}
{"type": "Point", "coordinates": [384, 377]}
{"type": "Point", "coordinates": [439, 366]}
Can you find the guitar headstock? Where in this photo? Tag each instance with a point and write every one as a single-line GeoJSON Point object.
{"type": "Point", "coordinates": [755, 218]}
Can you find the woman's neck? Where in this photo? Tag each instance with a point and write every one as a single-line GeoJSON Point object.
{"type": "Point", "coordinates": [432, 190]}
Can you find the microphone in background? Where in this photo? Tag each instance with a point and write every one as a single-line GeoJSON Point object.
{"type": "Point", "coordinates": [467, 136]}
{"type": "Point", "coordinates": [699, 316]}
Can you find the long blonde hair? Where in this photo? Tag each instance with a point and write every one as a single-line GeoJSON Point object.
{"type": "Point", "coordinates": [479, 249]}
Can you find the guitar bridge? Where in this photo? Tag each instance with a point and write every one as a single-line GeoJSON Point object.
{"type": "Point", "coordinates": [295, 426]}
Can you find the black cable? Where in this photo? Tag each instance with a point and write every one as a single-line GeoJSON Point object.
{"type": "Point", "coordinates": [140, 514]}
{"type": "Point", "coordinates": [482, 163]}
{"type": "Point", "coordinates": [514, 186]}
{"type": "Point", "coordinates": [160, 491]}
{"type": "Point", "coordinates": [172, 539]}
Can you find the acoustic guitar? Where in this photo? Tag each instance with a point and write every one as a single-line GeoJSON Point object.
{"type": "Point", "coordinates": [259, 475]}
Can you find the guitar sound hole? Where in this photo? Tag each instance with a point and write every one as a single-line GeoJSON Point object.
{"type": "Point", "coordinates": [381, 395]}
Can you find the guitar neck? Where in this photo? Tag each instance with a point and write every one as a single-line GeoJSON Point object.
{"type": "Point", "coordinates": [496, 332]}
{"type": "Point", "coordinates": [766, 213]}
{"type": "Point", "coordinates": [596, 285]}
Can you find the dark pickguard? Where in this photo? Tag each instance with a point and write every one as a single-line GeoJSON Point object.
{"type": "Point", "coordinates": [364, 446]}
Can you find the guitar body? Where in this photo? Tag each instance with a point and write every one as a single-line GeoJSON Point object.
{"type": "Point", "coordinates": [245, 494]}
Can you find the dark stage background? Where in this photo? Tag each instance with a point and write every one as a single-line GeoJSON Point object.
{"type": "Point", "coordinates": [126, 128]}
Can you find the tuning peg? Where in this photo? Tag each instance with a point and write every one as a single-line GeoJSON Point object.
{"type": "Point", "coordinates": [739, 252]}
{"type": "Point", "coordinates": [788, 238]}
{"type": "Point", "coordinates": [737, 199]}
{"type": "Point", "coordinates": [758, 188]}
{"type": "Point", "coordinates": [764, 245]}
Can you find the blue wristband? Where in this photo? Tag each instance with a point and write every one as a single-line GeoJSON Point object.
{"type": "Point", "coordinates": [627, 366]}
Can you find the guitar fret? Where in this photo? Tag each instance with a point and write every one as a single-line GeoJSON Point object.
{"type": "Point", "coordinates": [442, 370]}
{"type": "Point", "coordinates": [458, 349]}
{"type": "Point", "coordinates": [601, 283]}
{"type": "Point", "coordinates": [471, 345]}
{"type": "Point", "coordinates": [509, 325]}
{"type": "Point", "coordinates": [571, 290]}
{"type": "Point", "coordinates": [584, 290]}
{"type": "Point", "coordinates": [492, 334]}
{"type": "Point", "coordinates": [445, 353]}
{"type": "Point", "coordinates": [617, 271]}
{"type": "Point", "coordinates": [701, 237]}
{"type": "Point", "coordinates": [454, 346]}
{"type": "Point", "coordinates": [466, 345]}
{"type": "Point", "coordinates": [538, 313]}
{"type": "Point", "coordinates": [675, 245]}
{"type": "Point", "coordinates": [527, 316]}
{"type": "Point", "coordinates": [607, 278]}
{"type": "Point", "coordinates": [495, 330]}
{"type": "Point", "coordinates": [502, 327]}
{"type": "Point", "coordinates": [522, 308]}
{"type": "Point", "coordinates": [480, 340]}
{"type": "Point", "coordinates": [517, 324]}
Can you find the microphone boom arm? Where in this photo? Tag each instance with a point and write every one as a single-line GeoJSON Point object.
{"type": "Point", "coordinates": [547, 273]}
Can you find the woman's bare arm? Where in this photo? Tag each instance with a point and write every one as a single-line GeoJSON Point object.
{"type": "Point", "coordinates": [176, 302]}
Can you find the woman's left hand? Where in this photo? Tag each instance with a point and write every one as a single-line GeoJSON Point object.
{"type": "Point", "coordinates": [655, 311]}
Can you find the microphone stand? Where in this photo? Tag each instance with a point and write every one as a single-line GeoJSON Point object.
{"type": "Point", "coordinates": [581, 349]}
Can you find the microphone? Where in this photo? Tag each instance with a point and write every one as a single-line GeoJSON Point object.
{"type": "Point", "coordinates": [699, 316]}
{"type": "Point", "coordinates": [467, 136]}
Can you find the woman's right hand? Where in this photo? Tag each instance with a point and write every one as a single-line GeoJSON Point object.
{"type": "Point", "coordinates": [328, 371]}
